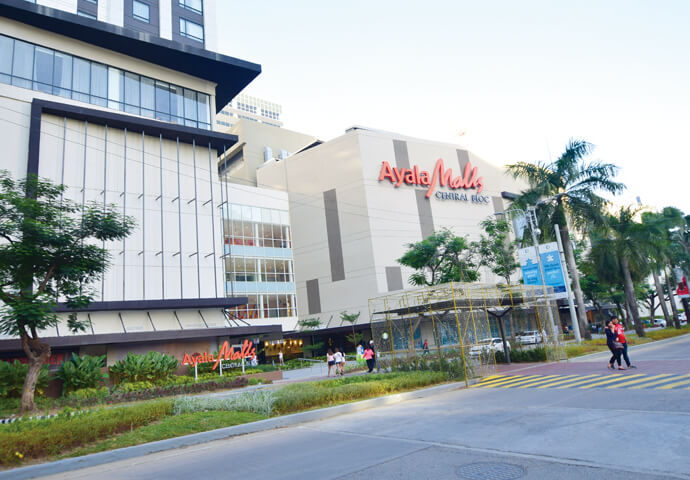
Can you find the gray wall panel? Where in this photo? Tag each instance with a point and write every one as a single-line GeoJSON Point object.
{"type": "Point", "coordinates": [313, 296]}
{"type": "Point", "coordinates": [463, 159]}
{"type": "Point", "coordinates": [394, 278]}
{"type": "Point", "coordinates": [426, 219]}
{"type": "Point", "coordinates": [335, 243]}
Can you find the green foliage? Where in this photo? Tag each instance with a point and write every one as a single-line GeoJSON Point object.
{"type": "Point", "coordinates": [518, 356]}
{"type": "Point", "coordinates": [12, 377]}
{"type": "Point", "coordinates": [40, 438]}
{"type": "Point", "coordinates": [303, 396]}
{"type": "Point", "coordinates": [153, 367]}
{"type": "Point", "coordinates": [440, 258]}
{"type": "Point", "coordinates": [260, 402]}
{"type": "Point", "coordinates": [87, 395]}
{"type": "Point", "coordinates": [81, 372]}
{"type": "Point", "coordinates": [308, 324]}
{"type": "Point", "coordinates": [495, 250]}
{"type": "Point", "coordinates": [452, 366]}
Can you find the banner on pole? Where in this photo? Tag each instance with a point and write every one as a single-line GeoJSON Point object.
{"type": "Point", "coordinates": [553, 271]}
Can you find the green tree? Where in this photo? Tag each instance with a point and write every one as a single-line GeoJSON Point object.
{"type": "Point", "coordinates": [355, 337]}
{"type": "Point", "coordinates": [309, 325]}
{"type": "Point", "coordinates": [440, 258]}
{"type": "Point", "coordinates": [495, 249]}
{"type": "Point", "coordinates": [48, 253]}
{"type": "Point", "coordinates": [574, 185]}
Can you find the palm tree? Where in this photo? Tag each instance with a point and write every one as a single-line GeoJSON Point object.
{"type": "Point", "coordinates": [574, 185]}
{"type": "Point", "coordinates": [634, 244]}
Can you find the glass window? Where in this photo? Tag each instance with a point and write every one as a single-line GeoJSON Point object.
{"type": "Point", "coordinates": [116, 88]}
{"type": "Point", "coordinates": [81, 79]}
{"type": "Point", "coordinates": [190, 110]}
{"type": "Point", "coordinates": [62, 75]}
{"type": "Point", "coordinates": [82, 13]}
{"type": "Point", "coordinates": [43, 69]}
{"type": "Point", "coordinates": [191, 30]}
{"type": "Point", "coordinates": [203, 110]}
{"type": "Point", "coordinates": [99, 84]}
{"type": "Point", "coordinates": [177, 104]}
{"type": "Point", "coordinates": [148, 97]}
{"type": "Point", "coordinates": [193, 5]}
{"type": "Point", "coordinates": [132, 93]}
{"type": "Point", "coordinates": [22, 64]}
{"type": "Point", "coordinates": [6, 48]}
{"type": "Point", "coordinates": [141, 11]}
{"type": "Point", "coordinates": [162, 101]}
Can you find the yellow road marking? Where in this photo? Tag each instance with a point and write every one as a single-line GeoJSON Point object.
{"type": "Point", "coordinates": [498, 380]}
{"type": "Point", "coordinates": [642, 380]}
{"type": "Point", "coordinates": [528, 381]}
{"type": "Point", "coordinates": [553, 384]}
{"type": "Point", "coordinates": [549, 380]}
{"type": "Point", "coordinates": [657, 382]}
{"type": "Point", "coordinates": [611, 380]}
{"type": "Point", "coordinates": [672, 385]}
{"type": "Point", "coordinates": [511, 380]}
{"type": "Point", "coordinates": [593, 378]}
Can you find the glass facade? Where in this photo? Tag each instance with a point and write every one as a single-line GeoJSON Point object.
{"type": "Point", "coordinates": [258, 263]}
{"type": "Point", "coordinates": [191, 30]}
{"type": "Point", "coordinates": [31, 66]}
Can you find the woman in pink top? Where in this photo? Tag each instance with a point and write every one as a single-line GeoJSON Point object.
{"type": "Point", "coordinates": [368, 355]}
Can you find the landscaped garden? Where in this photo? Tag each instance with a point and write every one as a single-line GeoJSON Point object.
{"type": "Point", "coordinates": [74, 433]}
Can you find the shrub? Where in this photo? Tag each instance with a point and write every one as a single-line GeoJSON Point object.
{"type": "Point", "coordinates": [152, 367]}
{"type": "Point", "coordinates": [39, 438]}
{"type": "Point", "coordinates": [12, 376]}
{"type": "Point", "coordinates": [517, 356]}
{"type": "Point", "coordinates": [81, 372]}
{"type": "Point", "coordinates": [87, 395]}
{"type": "Point", "coordinates": [257, 402]}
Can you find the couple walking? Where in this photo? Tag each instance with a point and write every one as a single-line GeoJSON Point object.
{"type": "Point", "coordinates": [336, 360]}
{"type": "Point", "coordinates": [615, 340]}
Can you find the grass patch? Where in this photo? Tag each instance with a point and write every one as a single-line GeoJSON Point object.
{"type": "Point", "coordinates": [170, 427]}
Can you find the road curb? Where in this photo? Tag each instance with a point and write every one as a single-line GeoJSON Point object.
{"type": "Point", "coordinates": [70, 464]}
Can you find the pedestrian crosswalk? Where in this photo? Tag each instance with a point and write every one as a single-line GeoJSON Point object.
{"type": "Point", "coordinates": [664, 381]}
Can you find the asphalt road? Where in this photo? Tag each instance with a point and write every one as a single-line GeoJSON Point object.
{"type": "Point", "coordinates": [477, 433]}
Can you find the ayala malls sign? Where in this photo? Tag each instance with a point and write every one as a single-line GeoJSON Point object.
{"type": "Point", "coordinates": [226, 352]}
{"type": "Point", "coordinates": [440, 176]}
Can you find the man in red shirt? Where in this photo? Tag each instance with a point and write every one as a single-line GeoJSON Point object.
{"type": "Point", "coordinates": [620, 332]}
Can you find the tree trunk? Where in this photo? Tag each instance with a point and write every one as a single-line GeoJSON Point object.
{"type": "Point", "coordinates": [577, 290]}
{"type": "Point", "coordinates": [672, 300]}
{"type": "Point", "coordinates": [630, 297]}
{"type": "Point", "coordinates": [37, 353]}
{"type": "Point", "coordinates": [662, 301]}
{"type": "Point", "coordinates": [686, 307]}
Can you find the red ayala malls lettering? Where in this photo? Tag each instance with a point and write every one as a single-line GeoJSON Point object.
{"type": "Point", "coordinates": [226, 353]}
{"type": "Point", "coordinates": [413, 176]}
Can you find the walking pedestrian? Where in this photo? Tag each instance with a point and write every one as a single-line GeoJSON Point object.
{"type": "Point", "coordinates": [611, 343]}
{"type": "Point", "coordinates": [331, 361]}
{"type": "Point", "coordinates": [280, 357]}
{"type": "Point", "coordinates": [339, 359]}
{"type": "Point", "coordinates": [369, 357]}
{"type": "Point", "coordinates": [620, 332]}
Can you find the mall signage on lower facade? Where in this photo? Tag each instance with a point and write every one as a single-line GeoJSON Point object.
{"type": "Point", "coordinates": [227, 352]}
{"type": "Point", "coordinates": [440, 176]}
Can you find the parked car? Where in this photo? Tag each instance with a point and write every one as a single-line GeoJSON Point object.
{"type": "Point", "coordinates": [659, 322]}
{"type": "Point", "coordinates": [683, 318]}
{"type": "Point", "coordinates": [528, 337]}
{"type": "Point", "coordinates": [488, 345]}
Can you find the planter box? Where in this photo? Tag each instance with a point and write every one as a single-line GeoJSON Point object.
{"type": "Point", "coordinates": [272, 376]}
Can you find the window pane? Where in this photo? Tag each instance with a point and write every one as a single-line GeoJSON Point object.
{"type": "Point", "coordinates": [190, 105]}
{"type": "Point", "coordinates": [203, 106]}
{"type": "Point", "coordinates": [23, 65]}
{"type": "Point", "coordinates": [141, 11]}
{"type": "Point", "coordinates": [43, 69]}
{"type": "Point", "coordinates": [177, 104]}
{"type": "Point", "coordinates": [132, 93]}
{"type": "Point", "coordinates": [99, 84]}
{"type": "Point", "coordinates": [162, 101]}
{"type": "Point", "coordinates": [116, 88]}
{"type": "Point", "coordinates": [191, 30]}
{"type": "Point", "coordinates": [62, 75]}
{"type": "Point", "coordinates": [80, 79]}
{"type": "Point", "coordinates": [148, 97]}
{"type": "Point", "coordinates": [194, 5]}
{"type": "Point", "coordinates": [6, 46]}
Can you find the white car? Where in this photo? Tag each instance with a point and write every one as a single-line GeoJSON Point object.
{"type": "Point", "coordinates": [488, 345]}
{"type": "Point", "coordinates": [659, 322]}
{"type": "Point", "coordinates": [528, 337]}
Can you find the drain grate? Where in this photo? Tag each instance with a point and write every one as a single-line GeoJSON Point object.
{"type": "Point", "coordinates": [490, 471]}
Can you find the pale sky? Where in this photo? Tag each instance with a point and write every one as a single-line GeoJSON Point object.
{"type": "Point", "coordinates": [519, 78]}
